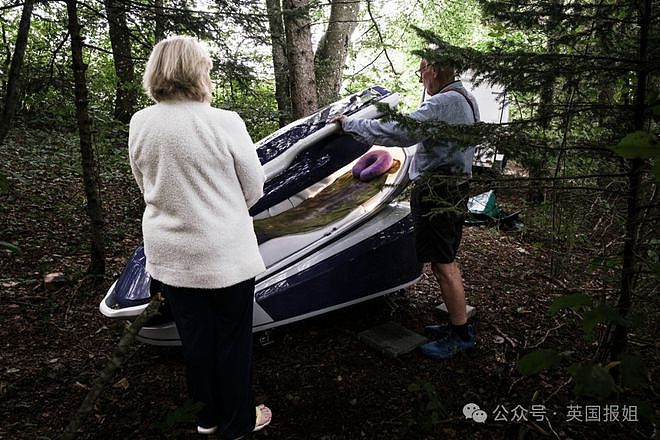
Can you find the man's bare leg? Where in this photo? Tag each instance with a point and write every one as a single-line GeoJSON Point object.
{"type": "Point", "coordinates": [451, 287]}
{"type": "Point", "coordinates": [461, 335]}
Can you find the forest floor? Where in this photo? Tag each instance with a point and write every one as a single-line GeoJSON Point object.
{"type": "Point", "coordinates": [320, 380]}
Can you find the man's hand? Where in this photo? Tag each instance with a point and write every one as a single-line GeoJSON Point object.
{"type": "Point", "coordinates": [338, 119]}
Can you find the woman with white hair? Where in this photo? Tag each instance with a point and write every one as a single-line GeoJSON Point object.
{"type": "Point", "coordinates": [199, 174]}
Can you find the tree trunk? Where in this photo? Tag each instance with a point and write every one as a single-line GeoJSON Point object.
{"type": "Point", "coordinates": [89, 167]}
{"type": "Point", "coordinates": [159, 29]}
{"type": "Point", "coordinates": [11, 95]}
{"type": "Point", "coordinates": [333, 49]}
{"type": "Point", "coordinates": [624, 303]}
{"type": "Point", "coordinates": [606, 88]}
{"type": "Point", "coordinates": [301, 57]}
{"type": "Point", "coordinates": [280, 67]}
{"type": "Point", "coordinates": [538, 165]}
{"type": "Point", "coordinates": [120, 38]}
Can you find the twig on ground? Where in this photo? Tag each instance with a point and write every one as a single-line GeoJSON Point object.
{"type": "Point", "coordinates": [117, 360]}
{"type": "Point", "coordinates": [76, 289]}
{"type": "Point", "coordinates": [539, 429]}
{"type": "Point", "coordinates": [558, 389]}
{"type": "Point", "coordinates": [546, 336]}
{"type": "Point", "coordinates": [513, 343]}
{"type": "Point", "coordinates": [552, 429]}
{"type": "Point", "coordinates": [552, 279]}
{"type": "Point", "coordinates": [21, 303]}
{"type": "Point", "coordinates": [513, 384]}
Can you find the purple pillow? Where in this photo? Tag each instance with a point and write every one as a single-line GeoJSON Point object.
{"type": "Point", "coordinates": [372, 165]}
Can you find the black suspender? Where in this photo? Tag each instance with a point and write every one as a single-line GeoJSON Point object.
{"type": "Point", "coordinates": [474, 115]}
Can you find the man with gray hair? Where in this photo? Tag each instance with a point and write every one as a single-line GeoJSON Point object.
{"type": "Point", "coordinates": [440, 171]}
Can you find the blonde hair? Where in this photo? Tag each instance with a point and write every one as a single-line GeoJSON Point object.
{"type": "Point", "coordinates": [178, 68]}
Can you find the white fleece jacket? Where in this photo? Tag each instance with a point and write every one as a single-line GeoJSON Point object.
{"type": "Point", "coordinates": [199, 173]}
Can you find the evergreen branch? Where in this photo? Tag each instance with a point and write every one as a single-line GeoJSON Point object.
{"type": "Point", "coordinates": [15, 5]}
{"type": "Point", "coordinates": [97, 48]}
{"type": "Point", "coordinates": [211, 14]}
{"type": "Point", "coordinates": [552, 178]}
{"type": "Point", "coordinates": [498, 58]}
{"type": "Point", "coordinates": [368, 64]}
{"type": "Point", "coordinates": [524, 15]}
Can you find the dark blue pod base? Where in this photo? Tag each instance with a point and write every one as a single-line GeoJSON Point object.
{"type": "Point", "coordinates": [348, 275]}
{"type": "Point", "coordinates": [132, 288]}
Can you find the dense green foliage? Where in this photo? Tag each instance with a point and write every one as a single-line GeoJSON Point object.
{"type": "Point", "coordinates": [382, 53]}
{"type": "Point", "coordinates": [47, 84]}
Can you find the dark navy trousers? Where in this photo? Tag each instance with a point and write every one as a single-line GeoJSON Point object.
{"type": "Point", "coordinates": [215, 326]}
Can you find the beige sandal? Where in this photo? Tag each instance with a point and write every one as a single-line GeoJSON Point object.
{"type": "Point", "coordinates": [262, 420]}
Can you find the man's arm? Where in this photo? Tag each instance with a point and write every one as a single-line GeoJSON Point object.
{"type": "Point", "coordinates": [387, 134]}
{"type": "Point", "coordinates": [373, 131]}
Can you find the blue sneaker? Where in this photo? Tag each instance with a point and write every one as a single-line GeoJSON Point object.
{"type": "Point", "coordinates": [437, 331]}
{"type": "Point", "coordinates": [449, 346]}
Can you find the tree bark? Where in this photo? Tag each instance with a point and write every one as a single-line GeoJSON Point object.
{"type": "Point", "coordinates": [120, 38]}
{"type": "Point", "coordinates": [159, 29]}
{"type": "Point", "coordinates": [14, 76]}
{"type": "Point", "coordinates": [88, 161]}
{"type": "Point", "coordinates": [538, 165]}
{"type": "Point", "coordinates": [333, 49]}
{"type": "Point", "coordinates": [631, 241]}
{"type": "Point", "coordinates": [301, 57]}
{"type": "Point", "coordinates": [280, 67]}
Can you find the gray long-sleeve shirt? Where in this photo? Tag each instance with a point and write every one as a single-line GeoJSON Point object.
{"type": "Point", "coordinates": [449, 106]}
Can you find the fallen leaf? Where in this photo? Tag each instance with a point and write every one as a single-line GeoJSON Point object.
{"type": "Point", "coordinates": [121, 383]}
